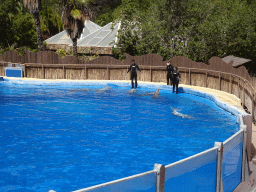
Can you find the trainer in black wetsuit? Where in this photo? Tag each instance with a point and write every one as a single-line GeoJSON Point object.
{"type": "Point", "coordinates": [133, 68]}
{"type": "Point", "coordinates": [169, 73]}
{"type": "Point", "coordinates": [175, 79]}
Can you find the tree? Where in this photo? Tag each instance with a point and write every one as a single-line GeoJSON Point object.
{"type": "Point", "coordinates": [35, 6]}
{"type": "Point", "coordinates": [74, 15]}
{"type": "Point", "coordinates": [156, 29]}
{"type": "Point", "coordinates": [24, 31]}
{"type": "Point", "coordinates": [51, 22]}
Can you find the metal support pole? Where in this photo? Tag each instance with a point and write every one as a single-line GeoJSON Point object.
{"type": "Point", "coordinates": [160, 177]}
{"type": "Point", "coordinates": [219, 183]}
{"type": "Point", "coordinates": [245, 167]}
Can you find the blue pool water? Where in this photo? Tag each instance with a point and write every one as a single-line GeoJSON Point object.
{"type": "Point", "coordinates": [62, 137]}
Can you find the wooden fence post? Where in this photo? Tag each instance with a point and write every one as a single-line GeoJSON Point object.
{"type": "Point", "coordinates": [206, 77]}
{"type": "Point", "coordinates": [150, 74]}
{"type": "Point", "coordinates": [238, 88]}
{"type": "Point", "coordinates": [43, 72]}
{"type": "Point", "coordinates": [25, 74]}
{"type": "Point", "coordinates": [253, 106]}
{"type": "Point", "coordinates": [219, 81]}
{"type": "Point", "coordinates": [64, 72]}
{"type": "Point", "coordinates": [189, 77]}
{"type": "Point", "coordinates": [108, 73]}
{"type": "Point", "coordinates": [230, 84]}
{"type": "Point", "coordinates": [85, 72]}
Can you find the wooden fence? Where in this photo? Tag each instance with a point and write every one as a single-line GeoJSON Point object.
{"type": "Point", "coordinates": [216, 74]}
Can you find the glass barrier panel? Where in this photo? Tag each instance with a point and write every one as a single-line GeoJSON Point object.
{"type": "Point", "coordinates": [144, 182]}
{"type": "Point", "coordinates": [196, 173]}
{"type": "Point", "coordinates": [232, 162]}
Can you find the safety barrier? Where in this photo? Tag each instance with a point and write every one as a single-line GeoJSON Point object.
{"type": "Point", "coordinates": [221, 168]}
{"type": "Point", "coordinates": [196, 173]}
{"type": "Point", "coordinates": [141, 182]}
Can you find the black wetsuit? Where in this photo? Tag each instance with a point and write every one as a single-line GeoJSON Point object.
{"type": "Point", "coordinates": [133, 68]}
{"type": "Point", "coordinates": [175, 80]}
{"type": "Point", "coordinates": [169, 74]}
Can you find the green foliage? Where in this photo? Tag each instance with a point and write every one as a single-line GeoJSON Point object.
{"type": "Point", "coordinates": [62, 53]}
{"type": "Point", "coordinates": [83, 57]}
{"type": "Point", "coordinates": [51, 22]}
{"type": "Point", "coordinates": [118, 53]}
{"type": "Point", "coordinates": [17, 24]}
{"type": "Point", "coordinates": [21, 50]}
{"type": "Point", "coordinates": [192, 28]}
{"type": "Point", "coordinates": [24, 31]}
{"type": "Point", "coordinates": [94, 56]}
{"type": "Point", "coordinates": [110, 13]}
{"type": "Point", "coordinates": [75, 13]}
{"type": "Point", "coordinates": [44, 44]}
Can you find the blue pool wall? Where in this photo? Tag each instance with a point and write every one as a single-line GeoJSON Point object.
{"type": "Point", "coordinates": [196, 173]}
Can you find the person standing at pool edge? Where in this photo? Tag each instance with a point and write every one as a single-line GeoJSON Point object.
{"type": "Point", "coordinates": [169, 73]}
{"type": "Point", "coordinates": [175, 79]}
{"type": "Point", "coordinates": [133, 68]}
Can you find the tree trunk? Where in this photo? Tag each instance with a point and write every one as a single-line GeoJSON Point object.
{"type": "Point", "coordinates": [74, 46]}
{"type": "Point", "coordinates": [38, 31]}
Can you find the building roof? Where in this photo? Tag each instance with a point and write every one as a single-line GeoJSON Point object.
{"type": "Point", "coordinates": [237, 61]}
{"type": "Point", "coordinates": [93, 36]}
{"type": "Point", "coordinates": [63, 38]}
{"type": "Point", "coordinates": [101, 38]}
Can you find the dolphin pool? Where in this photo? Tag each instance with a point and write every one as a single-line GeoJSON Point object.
{"type": "Point", "coordinates": [69, 135]}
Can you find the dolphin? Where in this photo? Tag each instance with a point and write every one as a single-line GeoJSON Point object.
{"type": "Point", "coordinates": [176, 113]}
{"type": "Point", "coordinates": [155, 94]}
{"type": "Point", "coordinates": [132, 91]}
{"type": "Point", "coordinates": [103, 89]}
{"type": "Point", "coordinates": [75, 90]}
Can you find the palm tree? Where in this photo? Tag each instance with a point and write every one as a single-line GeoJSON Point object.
{"type": "Point", "coordinates": [35, 6]}
{"type": "Point", "coordinates": [74, 15]}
